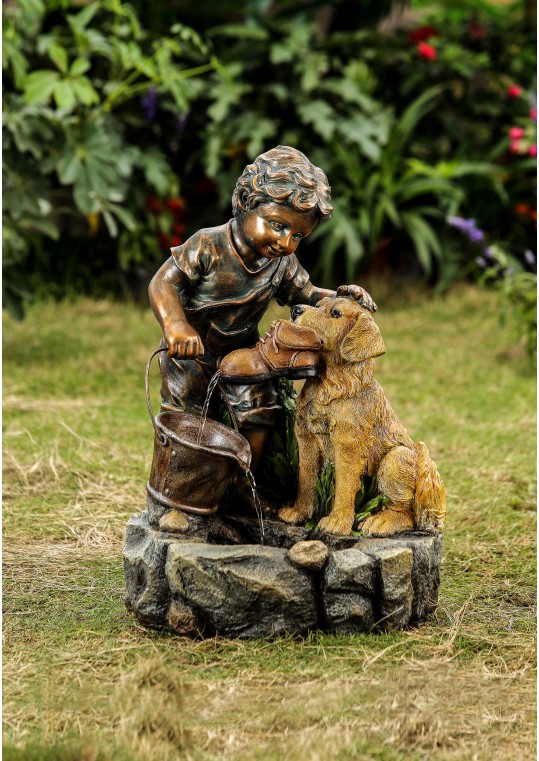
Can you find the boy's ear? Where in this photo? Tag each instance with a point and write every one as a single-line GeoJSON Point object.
{"type": "Point", "coordinates": [364, 341]}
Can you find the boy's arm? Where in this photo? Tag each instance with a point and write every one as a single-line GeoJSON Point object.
{"type": "Point", "coordinates": [310, 294]}
{"type": "Point", "coordinates": [164, 291]}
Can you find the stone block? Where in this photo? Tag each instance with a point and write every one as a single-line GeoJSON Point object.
{"type": "Point", "coordinates": [350, 570]}
{"type": "Point", "coordinates": [348, 612]}
{"type": "Point", "coordinates": [347, 591]}
{"type": "Point", "coordinates": [395, 593]}
{"type": "Point", "coordinates": [145, 552]}
{"type": "Point", "coordinates": [247, 591]}
{"type": "Point", "coordinates": [427, 552]}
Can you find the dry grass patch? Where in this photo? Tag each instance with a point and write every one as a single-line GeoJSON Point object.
{"type": "Point", "coordinates": [432, 709]}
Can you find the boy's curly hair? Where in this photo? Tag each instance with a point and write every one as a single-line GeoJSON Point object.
{"type": "Point", "coordinates": [283, 175]}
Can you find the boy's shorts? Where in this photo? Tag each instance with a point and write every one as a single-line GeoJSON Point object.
{"type": "Point", "coordinates": [184, 383]}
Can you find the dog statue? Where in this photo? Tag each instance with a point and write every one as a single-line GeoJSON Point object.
{"type": "Point", "coordinates": [343, 417]}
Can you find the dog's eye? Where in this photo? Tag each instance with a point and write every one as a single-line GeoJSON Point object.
{"type": "Point", "coordinates": [335, 313]}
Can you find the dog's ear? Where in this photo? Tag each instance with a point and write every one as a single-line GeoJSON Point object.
{"type": "Point", "coordinates": [363, 341]}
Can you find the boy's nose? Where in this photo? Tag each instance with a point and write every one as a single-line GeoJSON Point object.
{"type": "Point", "coordinates": [286, 242]}
{"type": "Point", "coordinates": [295, 311]}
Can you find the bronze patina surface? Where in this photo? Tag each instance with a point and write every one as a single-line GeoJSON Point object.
{"type": "Point", "coordinates": [210, 295]}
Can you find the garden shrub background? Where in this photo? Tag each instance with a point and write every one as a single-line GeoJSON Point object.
{"type": "Point", "coordinates": [124, 132]}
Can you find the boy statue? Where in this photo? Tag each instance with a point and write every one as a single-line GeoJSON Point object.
{"type": "Point", "coordinates": [213, 291]}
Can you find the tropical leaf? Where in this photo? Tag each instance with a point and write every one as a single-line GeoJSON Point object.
{"type": "Point", "coordinates": [39, 85]}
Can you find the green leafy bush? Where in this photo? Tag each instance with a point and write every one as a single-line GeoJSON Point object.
{"type": "Point", "coordinates": [412, 124]}
{"type": "Point", "coordinates": [328, 96]}
{"type": "Point", "coordinates": [486, 111]}
{"type": "Point", "coordinates": [81, 152]}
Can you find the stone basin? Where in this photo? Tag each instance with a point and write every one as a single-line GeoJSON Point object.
{"type": "Point", "coordinates": [217, 579]}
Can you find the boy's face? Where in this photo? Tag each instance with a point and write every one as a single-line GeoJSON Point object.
{"type": "Point", "coordinates": [274, 230]}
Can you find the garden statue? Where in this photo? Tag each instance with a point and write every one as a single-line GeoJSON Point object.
{"type": "Point", "coordinates": [343, 417]}
{"type": "Point", "coordinates": [199, 569]}
{"type": "Point", "coordinates": [213, 291]}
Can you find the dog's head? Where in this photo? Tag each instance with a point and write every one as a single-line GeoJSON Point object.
{"type": "Point", "coordinates": [348, 330]}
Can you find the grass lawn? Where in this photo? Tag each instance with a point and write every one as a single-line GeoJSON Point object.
{"type": "Point", "coordinates": [83, 681]}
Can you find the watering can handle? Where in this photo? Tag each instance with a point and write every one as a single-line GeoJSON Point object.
{"type": "Point", "coordinates": [147, 385]}
{"type": "Point", "coordinates": [147, 382]}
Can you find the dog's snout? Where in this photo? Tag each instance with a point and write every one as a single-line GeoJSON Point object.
{"type": "Point", "coordinates": [295, 311]}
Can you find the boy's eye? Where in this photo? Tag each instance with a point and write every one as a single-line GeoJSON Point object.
{"type": "Point", "coordinates": [297, 236]}
{"type": "Point", "coordinates": [277, 225]}
{"type": "Point", "coordinates": [335, 313]}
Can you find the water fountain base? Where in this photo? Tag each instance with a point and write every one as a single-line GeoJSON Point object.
{"type": "Point", "coordinates": [216, 579]}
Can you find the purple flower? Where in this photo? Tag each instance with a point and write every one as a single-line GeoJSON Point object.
{"type": "Point", "coordinates": [487, 251]}
{"type": "Point", "coordinates": [530, 259]}
{"type": "Point", "coordinates": [481, 262]}
{"type": "Point", "coordinates": [475, 234]}
{"type": "Point", "coordinates": [150, 103]}
{"type": "Point", "coordinates": [467, 227]}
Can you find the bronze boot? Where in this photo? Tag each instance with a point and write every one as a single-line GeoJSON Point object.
{"type": "Point", "coordinates": [286, 350]}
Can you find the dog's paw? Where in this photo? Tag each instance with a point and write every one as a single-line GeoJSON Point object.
{"type": "Point", "coordinates": [387, 522]}
{"type": "Point", "coordinates": [335, 524]}
{"type": "Point", "coordinates": [293, 515]}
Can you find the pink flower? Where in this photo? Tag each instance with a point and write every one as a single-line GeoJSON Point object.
{"type": "Point", "coordinates": [514, 146]}
{"type": "Point", "coordinates": [514, 91]}
{"type": "Point", "coordinates": [533, 114]}
{"type": "Point", "coordinates": [427, 51]}
{"type": "Point", "coordinates": [532, 150]}
{"type": "Point", "coordinates": [515, 133]}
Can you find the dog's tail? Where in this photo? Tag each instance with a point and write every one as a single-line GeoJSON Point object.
{"type": "Point", "coordinates": [429, 498]}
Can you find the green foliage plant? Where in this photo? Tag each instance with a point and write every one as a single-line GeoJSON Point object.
{"type": "Point", "coordinates": [78, 148]}
{"type": "Point", "coordinates": [322, 94]}
{"type": "Point", "coordinates": [518, 293]}
{"type": "Point", "coordinates": [281, 466]}
{"type": "Point", "coordinates": [515, 279]}
{"type": "Point", "coordinates": [485, 115]}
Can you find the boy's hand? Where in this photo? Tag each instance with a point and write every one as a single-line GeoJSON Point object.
{"type": "Point", "coordinates": [182, 340]}
{"type": "Point", "coordinates": [359, 294]}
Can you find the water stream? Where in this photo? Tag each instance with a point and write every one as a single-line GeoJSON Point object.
{"type": "Point", "coordinates": [256, 500]}
{"type": "Point", "coordinates": [258, 506]}
{"type": "Point", "coordinates": [211, 386]}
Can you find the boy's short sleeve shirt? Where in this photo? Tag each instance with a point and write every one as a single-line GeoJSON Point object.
{"type": "Point", "coordinates": [215, 275]}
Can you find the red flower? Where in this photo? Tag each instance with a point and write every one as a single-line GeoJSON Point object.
{"type": "Point", "coordinates": [514, 91]}
{"type": "Point", "coordinates": [175, 241]}
{"type": "Point", "coordinates": [153, 204]}
{"type": "Point", "coordinates": [515, 133]}
{"type": "Point", "coordinates": [533, 114]}
{"type": "Point", "coordinates": [175, 204]}
{"type": "Point", "coordinates": [522, 209]}
{"type": "Point", "coordinates": [179, 229]}
{"type": "Point", "coordinates": [427, 51]}
{"type": "Point", "coordinates": [423, 33]}
{"type": "Point", "coordinates": [532, 150]}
